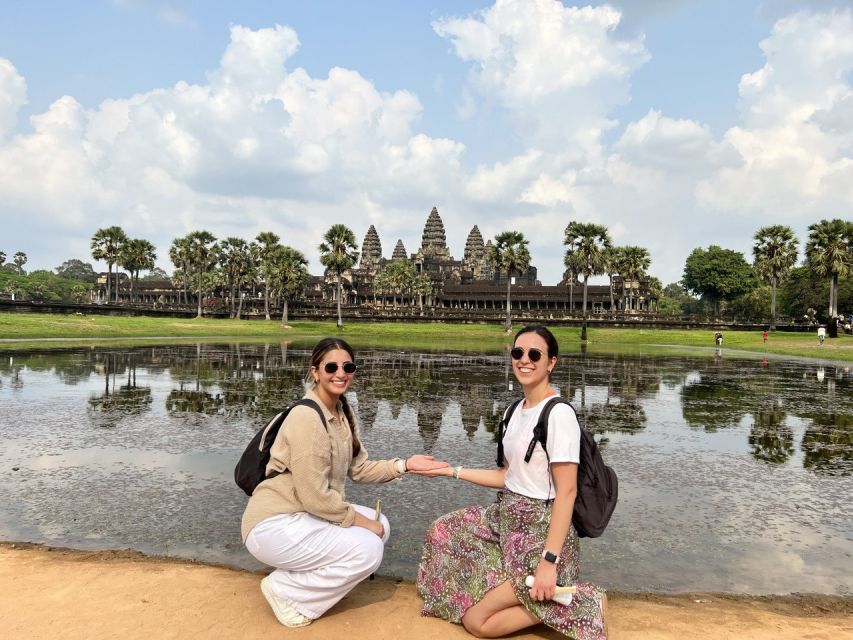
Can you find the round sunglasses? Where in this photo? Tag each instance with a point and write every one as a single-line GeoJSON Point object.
{"type": "Point", "coordinates": [533, 354]}
{"type": "Point", "coordinates": [332, 367]}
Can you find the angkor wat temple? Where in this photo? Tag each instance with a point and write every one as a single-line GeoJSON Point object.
{"type": "Point", "coordinates": [469, 283]}
{"type": "Point", "coordinates": [459, 287]}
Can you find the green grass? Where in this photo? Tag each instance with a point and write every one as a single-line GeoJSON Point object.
{"type": "Point", "coordinates": [30, 330]}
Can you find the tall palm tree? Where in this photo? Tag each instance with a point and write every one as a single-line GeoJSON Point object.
{"type": "Point", "coordinates": [180, 255]}
{"type": "Point", "coordinates": [2, 258]}
{"type": "Point", "coordinates": [135, 255]}
{"type": "Point", "coordinates": [586, 241]}
{"type": "Point", "coordinates": [106, 245]}
{"type": "Point", "coordinates": [829, 252]}
{"type": "Point", "coordinates": [422, 285]}
{"type": "Point", "coordinates": [203, 254]}
{"type": "Point", "coordinates": [611, 257]}
{"type": "Point", "coordinates": [655, 288]}
{"type": "Point", "coordinates": [339, 252]}
{"type": "Point", "coordinates": [20, 259]}
{"type": "Point", "coordinates": [633, 264]}
{"type": "Point", "coordinates": [234, 259]}
{"type": "Point", "coordinates": [267, 246]}
{"type": "Point", "coordinates": [509, 254]}
{"type": "Point", "coordinates": [774, 255]}
{"type": "Point", "coordinates": [289, 273]}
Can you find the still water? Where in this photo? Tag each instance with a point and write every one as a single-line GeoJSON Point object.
{"type": "Point", "coordinates": [735, 474]}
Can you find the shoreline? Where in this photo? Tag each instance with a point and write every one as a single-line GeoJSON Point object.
{"type": "Point", "coordinates": [51, 591]}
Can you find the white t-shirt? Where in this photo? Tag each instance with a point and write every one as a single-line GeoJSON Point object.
{"type": "Point", "coordinates": [533, 479]}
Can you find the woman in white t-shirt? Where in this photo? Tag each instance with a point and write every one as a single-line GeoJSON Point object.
{"type": "Point", "coordinates": [475, 560]}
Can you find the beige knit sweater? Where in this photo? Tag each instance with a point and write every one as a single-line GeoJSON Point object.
{"type": "Point", "coordinates": [315, 464]}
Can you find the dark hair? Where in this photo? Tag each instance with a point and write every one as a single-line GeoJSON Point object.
{"type": "Point", "coordinates": [321, 349]}
{"type": "Point", "coordinates": [543, 332]}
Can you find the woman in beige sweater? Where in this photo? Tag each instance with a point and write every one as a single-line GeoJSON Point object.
{"type": "Point", "coordinates": [299, 521]}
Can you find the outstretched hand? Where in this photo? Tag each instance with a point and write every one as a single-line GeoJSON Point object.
{"type": "Point", "coordinates": [422, 464]}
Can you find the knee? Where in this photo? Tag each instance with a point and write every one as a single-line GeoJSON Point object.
{"type": "Point", "coordinates": [474, 626]}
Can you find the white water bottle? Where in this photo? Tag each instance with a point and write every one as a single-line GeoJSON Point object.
{"type": "Point", "coordinates": [563, 595]}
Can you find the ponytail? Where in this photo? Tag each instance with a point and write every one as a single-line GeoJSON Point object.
{"type": "Point", "coordinates": [356, 444]}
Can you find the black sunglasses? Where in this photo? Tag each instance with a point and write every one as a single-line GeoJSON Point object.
{"type": "Point", "coordinates": [332, 367]}
{"type": "Point", "coordinates": [517, 353]}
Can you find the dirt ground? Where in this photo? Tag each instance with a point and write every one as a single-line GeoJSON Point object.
{"type": "Point", "coordinates": [59, 593]}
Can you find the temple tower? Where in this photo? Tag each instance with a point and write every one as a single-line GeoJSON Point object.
{"type": "Point", "coordinates": [371, 250]}
{"type": "Point", "coordinates": [434, 241]}
{"type": "Point", "coordinates": [399, 251]}
{"type": "Point", "coordinates": [474, 258]}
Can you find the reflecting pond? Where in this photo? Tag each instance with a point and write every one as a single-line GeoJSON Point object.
{"type": "Point", "coordinates": [735, 474]}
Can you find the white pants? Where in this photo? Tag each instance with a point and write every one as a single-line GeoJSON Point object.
{"type": "Point", "coordinates": [317, 562]}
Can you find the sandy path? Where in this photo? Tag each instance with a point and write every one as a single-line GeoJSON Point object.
{"type": "Point", "coordinates": [74, 594]}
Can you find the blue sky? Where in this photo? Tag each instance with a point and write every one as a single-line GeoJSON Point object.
{"type": "Point", "coordinates": [675, 123]}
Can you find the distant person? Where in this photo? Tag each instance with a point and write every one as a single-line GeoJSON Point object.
{"type": "Point", "coordinates": [718, 339]}
{"type": "Point", "coordinates": [300, 521]}
{"type": "Point", "coordinates": [821, 334]}
{"type": "Point", "coordinates": [765, 335]}
{"type": "Point", "coordinates": [475, 560]}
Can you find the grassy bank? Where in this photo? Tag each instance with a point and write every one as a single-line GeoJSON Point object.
{"type": "Point", "coordinates": [482, 337]}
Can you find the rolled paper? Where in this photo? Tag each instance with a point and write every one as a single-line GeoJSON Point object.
{"type": "Point", "coordinates": [562, 595]}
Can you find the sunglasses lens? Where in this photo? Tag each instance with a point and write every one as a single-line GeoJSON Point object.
{"type": "Point", "coordinates": [516, 353]}
{"type": "Point", "coordinates": [349, 367]}
{"type": "Point", "coordinates": [331, 367]}
{"type": "Point", "coordinates": [534, 355]}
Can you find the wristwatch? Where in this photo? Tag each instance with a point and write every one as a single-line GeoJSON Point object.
{"type": "Point", "coordinates": [547, 556]}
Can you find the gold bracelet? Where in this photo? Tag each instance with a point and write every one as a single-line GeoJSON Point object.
{"type": "Point", "coordinates": [456, 472]}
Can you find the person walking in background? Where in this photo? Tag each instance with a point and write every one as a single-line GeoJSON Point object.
{"type": "Point", "coordinates": [821, 334]}
{"type": "Point", "coordinates": [765, 335]}
{"type": "Point", "coordinates": [718, 338]}
{"type": "Point", "coordinates": [299, 521]}
{"type": "Point", "coordinates": [475, 560]}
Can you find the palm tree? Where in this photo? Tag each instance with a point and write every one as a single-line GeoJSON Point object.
{"type": "Point", "coordinates": [106, 245]}
{"type": "Point", "coordinates": [203, 252]}
{"type": "Point", "coordinates": [633, 263]}
{"type": "Point", "coordinates": [338, 252]}
{"type": "Point", "coordinates": [20, 260]}
{"type": "Point", "coordinates": [2, 258]}
{"type": "Point", "coordinates": [774, 255]}
{"type": "Point", "coordinates": [397, 276]}
{"type": "Point", "coordinates": [422, 285]}
{"type": "Point", "coordinates": [267, 246]}
{"type": "Point", "coordinates": [289, 273]}
{"type": "Point", "coordinates": [179, 254]}
{"type": "Point", "coordinates": [510, 254]}
{"type": "Point", "coordinates": [655, 289]}
{"type": "Point", "coordinates": [586, 241]}
{"type": "Point", "coordinates": [829, 252]}
{"type": "Point", "coordinates": [611, 267]}
{"type": "Point", "coordinates": [135, 255]}
{"type": "Point", "coordinates": [234, 259]}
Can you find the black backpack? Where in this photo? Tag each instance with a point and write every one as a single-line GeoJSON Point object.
{"type": "Point", "coordinates": [598, 487]}
{"type": "Point", "coordinates": [251, 469]}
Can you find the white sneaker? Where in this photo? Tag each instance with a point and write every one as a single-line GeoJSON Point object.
{"type": "Point", "coordinates": [283, 608]}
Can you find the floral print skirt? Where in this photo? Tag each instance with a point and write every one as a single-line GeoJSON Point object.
{"type": "Point", "coordinates": [471, 551]}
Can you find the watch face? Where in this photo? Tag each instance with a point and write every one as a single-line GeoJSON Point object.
{"type": "Point", "coordinates": [550, 557]}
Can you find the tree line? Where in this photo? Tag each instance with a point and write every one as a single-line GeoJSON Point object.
{"type": "Point", "coordinates": [716, 281]}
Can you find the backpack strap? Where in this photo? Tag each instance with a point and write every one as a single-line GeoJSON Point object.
{"type": "Point", "coordinates": [305, 402]}
{"type": "Point", "coordinates": [501, 429]}
{"type": "Point", "coordinates": [540, 431]}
